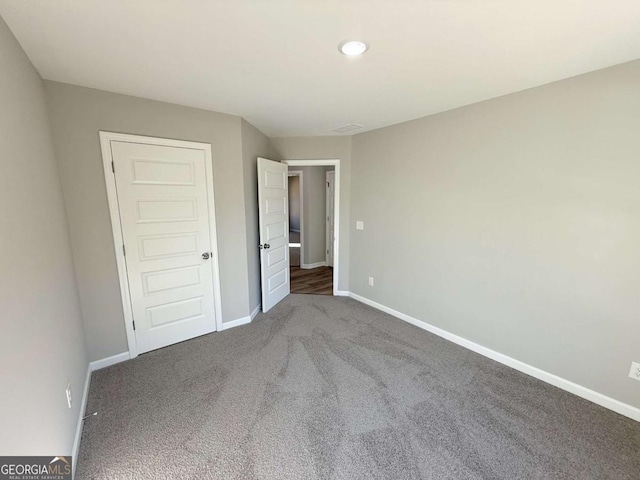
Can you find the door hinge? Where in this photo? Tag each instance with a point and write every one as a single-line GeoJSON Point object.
{"type": "Point", "coordinates": [113, 167]}
{"type": "Point", "coordinates": [328, 185]}
{"type": "Point", "coordinates": [134, 324]}
{"type": "Point", "coordinates": [124, 250]}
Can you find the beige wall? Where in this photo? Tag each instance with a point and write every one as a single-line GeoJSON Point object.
{"type": "Point", "coordinates": [254, 145]}
{"type": "Point", "coordinates": [311, 148]}
{"type": "Point", "coordinates": [42, 344]}
{"type": "Point", "coordinates": [514, 223]}
{"type": "Point", "coordinates": [77, 114]}
{"type": "Point", "coordinates": [314, 207]}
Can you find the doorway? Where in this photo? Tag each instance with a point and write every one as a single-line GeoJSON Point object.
{"type": "Point", "coordinates": [310, 225]}
{"type": "Point", "coordinates": [274, 226]}
{"type": "Point", "coordinates": [296, 220]}
{"type": "Point", "coordinates": [319, 263]}
{"type": "Point", "coordinates": [160, 194]}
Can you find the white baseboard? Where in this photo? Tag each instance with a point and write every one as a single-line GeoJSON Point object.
{"type": "Point", "coordinates": [107, 362]}
{"type": "Point", "coordinates": [341, 293]}
{"type": "Point", "coordinates": [78, 436]}
{"type": "Point", "coordinates": [308, 266]}
{"type": "Point", "coordinates": [93, 366]}
{"type": "Point", "coordinates": [292, 230]}
{"type": "Point", "coordinates": [243, 320]}
{"type": "Point", "coordinates": [236, 323]}
{"type": "Point", "coordinates": [591, 395]}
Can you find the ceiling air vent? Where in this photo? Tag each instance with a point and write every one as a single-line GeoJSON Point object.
{"type": "Point", "coordinates": [349, 128]}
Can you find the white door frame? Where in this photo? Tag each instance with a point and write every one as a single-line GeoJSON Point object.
{"type": "Point", "coordinates": [300, 175]}
{"type": "Point", "coordinates": [110, 180]}
{"type": "Point", "coordinates": [336, 251]}
{"type": "Point", "coordinates": [327, 235]}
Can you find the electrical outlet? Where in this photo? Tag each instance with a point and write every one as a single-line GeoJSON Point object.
{"type": "Point", "coordinates": [635, 371]}
{"type": "Point", "coordinates": [371, 281]}
{"type": "Point", "coordinates": [359, 225]}
{"type": "Point", "coordinates": [69, 398]}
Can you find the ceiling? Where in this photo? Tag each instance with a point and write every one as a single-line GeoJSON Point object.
{"type": "Point", "coordinates": [276, 62]}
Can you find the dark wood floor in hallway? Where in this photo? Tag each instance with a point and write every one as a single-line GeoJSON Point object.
{"type": "Point", "coordinates": [318, 281]}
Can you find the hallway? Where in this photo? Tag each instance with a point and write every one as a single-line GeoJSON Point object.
{"type": "Point", "coordinates": [317, 281]}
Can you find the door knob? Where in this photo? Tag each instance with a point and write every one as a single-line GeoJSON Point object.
{"type": "Point", "coordinates": [205, 256]}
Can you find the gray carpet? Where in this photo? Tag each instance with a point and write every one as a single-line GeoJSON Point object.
{"type": "Point", "coordinates": [324, 387]}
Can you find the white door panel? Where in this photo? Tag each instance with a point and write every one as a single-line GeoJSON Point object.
{"type": "Point", "coordinates": [274, 231]}
{"type": "Point", "coordinates": [163, 206]}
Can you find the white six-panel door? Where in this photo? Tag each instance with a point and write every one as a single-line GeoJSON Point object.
{"type": "Point", "coordinates": [273, 203]}
{"type": "Point", "coordinates": [163, 206]}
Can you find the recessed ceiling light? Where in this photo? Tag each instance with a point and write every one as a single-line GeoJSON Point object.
{"type": "Point", "coordinates": [352, 48]}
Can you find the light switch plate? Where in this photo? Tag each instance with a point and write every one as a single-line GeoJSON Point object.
{"type": "Point", "coordinates": [359, 225]}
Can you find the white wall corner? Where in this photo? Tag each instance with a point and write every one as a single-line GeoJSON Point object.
{"type": "Point", "coordinates": [583, 392]}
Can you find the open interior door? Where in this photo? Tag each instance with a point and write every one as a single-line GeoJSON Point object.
{"type": "Point", "coordinates": [273, 206]}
